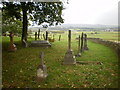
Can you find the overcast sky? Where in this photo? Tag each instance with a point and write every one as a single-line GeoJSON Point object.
{"type": "Point", "coordinates": [91, 12]}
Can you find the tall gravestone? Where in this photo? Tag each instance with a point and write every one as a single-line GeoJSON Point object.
{"type": "Point", "coordinates": [82, 41]}
{"type": "Point", "coordinates": [78, 54]}
{"type": "Point", "coordinates": [39, 34]}
{"type": "Point", "coordinates": [69, 57]}
{"type": "Point", "coordinates": [12, 46]}
{"type": "Point", "coordinates": [35, 35]}
{"type": "Point", "coordinates": [85, 42]}
{"type": "Point", "coordinates": [41, 69]}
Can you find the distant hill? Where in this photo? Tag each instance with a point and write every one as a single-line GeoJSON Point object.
{"type": "Point", "coordinates": [65, 27]}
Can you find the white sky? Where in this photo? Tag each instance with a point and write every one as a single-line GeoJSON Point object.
{"type": "Point", "coordinates": [91, 12]}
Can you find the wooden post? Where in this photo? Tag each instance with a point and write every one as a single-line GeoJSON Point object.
{"type": "Point", "coordinates": [59, 37]}
{"type": "Point", "coordinates": [85, 42]}
{"type": "Point", "coordinates": [46, 35]}
{"type": "Point", "coordinates": [69, 40]}
{"type": "Point", "coordinates": [82, 42]}
{"type": "Point", "coordinates": [35, 35]}
{"type": "Point", "coordinates": [78, 54]}
{"type": "Point", "coordinates": [38, 34]}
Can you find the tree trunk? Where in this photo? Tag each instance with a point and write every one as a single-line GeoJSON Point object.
{"type": "Point", "coordinates": [25, 25]}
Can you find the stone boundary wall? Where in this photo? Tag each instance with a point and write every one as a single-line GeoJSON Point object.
{"type": "Point", "coordinates": [114, 45]}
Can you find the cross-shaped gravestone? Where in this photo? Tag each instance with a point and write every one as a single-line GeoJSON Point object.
{"type": "Point", "coordinates": [78, 54]}
{"type": "Point", "coordinates": [12, 46]}
{"type": "Point", "coordinates": [69, 57]}
{"type": "Point", "coordinates": [41, 69]}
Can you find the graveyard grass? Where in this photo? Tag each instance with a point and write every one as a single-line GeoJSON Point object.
{"type": "Point", "coordinates": [19, 68]}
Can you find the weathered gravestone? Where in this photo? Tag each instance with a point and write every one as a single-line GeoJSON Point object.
{"type": "Point", "coordinates": [78, 54]}
{"type": "Point", "coordinates": [69, 57]}
{"type": "Point", "coordinates": [82, 41]}
{"type": "Point", "coordinates": [35, 35]}
{"type": "Point", "coordinates": [85, 42]}
{"type": "Point", "coordinates": [41, 69]}
{"type": "Point", "coordinates": [12, 46]}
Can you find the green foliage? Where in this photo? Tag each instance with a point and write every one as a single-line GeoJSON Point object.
{"type": "Point", "coordinates": [13, 26]}
{"type": "Point", "coordinates": [39, 12]}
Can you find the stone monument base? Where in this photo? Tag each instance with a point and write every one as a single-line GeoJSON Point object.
{"type": "Point", "coordinates": [40, 43]}
{"type": "Point", "coordinates": [69, 58]}
{"type": "Point", "coordinates": [41, 73]}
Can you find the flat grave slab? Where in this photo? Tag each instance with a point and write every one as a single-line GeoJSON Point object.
{"type": "Point", "coordinates": [40, 43]}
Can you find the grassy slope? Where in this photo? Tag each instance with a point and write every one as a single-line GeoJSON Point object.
{"type": "Point", "coordinates": [19, 68]}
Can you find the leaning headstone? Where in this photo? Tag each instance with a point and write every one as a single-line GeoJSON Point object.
{"type": "Point", "coordinates": [59, 37]}
{"type": "Point", "coordinates": [69, 57]}
{"type": "Point", "coordinates": [41, 69]}
{"type": "Point", "coordinates": [78, 54]}
{"type": "Point", "coordinates": [39, 34]}
{"type": "Point", "coordinates": [12, 46]}
{"type": "Point", "coordinates": [35, 35]}
{"type": "Point", "coordinates": [82, 39]}
{"type": "Point", "coordinates": [24, 43]}
{"type": "Point", "coordinates": [85, 42]}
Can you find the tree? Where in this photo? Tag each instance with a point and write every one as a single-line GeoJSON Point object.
{"type": "Point", "coordinates": [38, 12]}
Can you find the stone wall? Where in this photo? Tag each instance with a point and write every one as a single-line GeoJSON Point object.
{"type": "Point", "coordinates": [114, 45]}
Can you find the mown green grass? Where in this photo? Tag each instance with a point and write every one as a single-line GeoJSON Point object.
{"type": "Point", "coordinates": [19, 68]}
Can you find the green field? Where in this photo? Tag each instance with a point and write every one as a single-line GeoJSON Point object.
{"type": "Point", "coordinates": [19, 68]}
{"type": "Point", "coordinates": [112, 36]}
